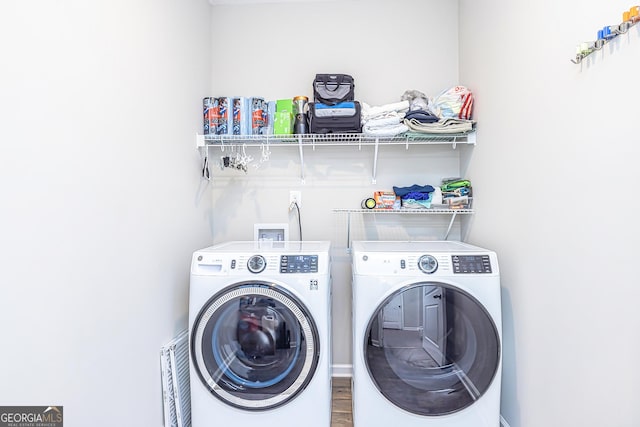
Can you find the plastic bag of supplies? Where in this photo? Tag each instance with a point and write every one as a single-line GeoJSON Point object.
{"type": "Point", "coordinates": [456, 102]}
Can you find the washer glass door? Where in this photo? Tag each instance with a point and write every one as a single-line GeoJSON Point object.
{"type": "Point", "coordinates": [432, 349]}
{"type": "Point", "coordinates": [255, 346]}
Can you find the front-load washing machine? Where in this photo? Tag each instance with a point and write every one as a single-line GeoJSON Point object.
{"type": "Point", "coordinates": [427, 335]}
{"type": "Point", "coordinates": [259, 326]}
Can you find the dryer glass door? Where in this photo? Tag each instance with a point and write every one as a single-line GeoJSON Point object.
{"type": "Point", "coordinates": [255, 346]}
{"type": "Point", "coordinates": [441, 357]}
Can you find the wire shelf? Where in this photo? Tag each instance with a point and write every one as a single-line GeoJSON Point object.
{"type": "Point", "coordinates": [406, 139]}
{"type": "Point", "coordinates": [404, 211]}
{"type": "Point", "coordinates": [342, 139]}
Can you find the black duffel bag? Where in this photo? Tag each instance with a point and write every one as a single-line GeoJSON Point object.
{"type": "Point", "coordinates": [340, 118]}
{"type": "Point", "coordinates": [331, 89]}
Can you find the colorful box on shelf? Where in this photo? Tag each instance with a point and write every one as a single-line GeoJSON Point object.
{"type": "Point", "coordinates": [385, 199]}
{"type": "Point", "coordinates": [460, 202]}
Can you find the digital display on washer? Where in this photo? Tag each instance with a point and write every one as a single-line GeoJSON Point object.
{"type": "Point", "coordinates": [299, 264]}
{"type": "Point", "coordinates": [471, 264]}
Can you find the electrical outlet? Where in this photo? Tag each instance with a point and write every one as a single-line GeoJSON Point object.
{"type": "Point", "coordinates": [295, 197]}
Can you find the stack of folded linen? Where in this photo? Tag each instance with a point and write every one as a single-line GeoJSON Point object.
{"type": "Point", "coordinates": [448, 113]}
{"type": "Point", "coordinates": [415, 196]}
{"type": "Point", "coordinates": [384, 120]}
{"type": "Point", "coordinates": [444, 126]}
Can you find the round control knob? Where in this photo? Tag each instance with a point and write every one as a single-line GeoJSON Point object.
{"type": "Point", "coordinates": [428, 264]}
{"type": "Point", "coordinates": [256, 263]}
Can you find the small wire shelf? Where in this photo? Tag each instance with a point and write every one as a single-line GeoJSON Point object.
{"type": "Point", "coordinates": [404, 211]}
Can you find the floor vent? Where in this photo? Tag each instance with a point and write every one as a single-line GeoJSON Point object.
{"type": "Point", "coordinates": [174, 362]}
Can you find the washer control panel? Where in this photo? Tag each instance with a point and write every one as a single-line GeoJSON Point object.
{"type": "Point", "coordinates": [241, 258]}
{"type": "Point", "coordinates": [471, 264]}
{"type": "Point", "coordinates": [298, 263]}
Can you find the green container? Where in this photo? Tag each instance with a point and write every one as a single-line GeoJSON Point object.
{"type": "Point", "coordinates": [284, 105]}
{"type": "Point", "coordinates": [283, 117]}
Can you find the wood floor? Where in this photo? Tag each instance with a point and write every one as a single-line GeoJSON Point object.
{"type": "Point", "coordinates": [341, 405]}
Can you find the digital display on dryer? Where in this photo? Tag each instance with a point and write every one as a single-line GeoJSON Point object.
{"type": "Point", "coordinates": [299, 264]}
{"type": "Point", "coordinates": [471, 264]}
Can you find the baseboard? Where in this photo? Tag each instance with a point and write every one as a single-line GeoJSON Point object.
{"type": "Point", "coordinates": [342, 370]}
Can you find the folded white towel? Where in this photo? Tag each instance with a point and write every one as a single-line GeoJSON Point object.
{"type": "Point", "coordinates": [368, 112]}
{"type": "Point", "coordinates": [389, 130]}
{"type": "Point", "coordinates": [389, 120]}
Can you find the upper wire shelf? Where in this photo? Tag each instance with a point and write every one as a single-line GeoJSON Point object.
{"type": "Point", "coordinates": [353, 139]}
{"type": "Point", "coordinates": [301, 141]}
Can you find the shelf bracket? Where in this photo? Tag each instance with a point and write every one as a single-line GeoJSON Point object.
{"type": "Point", "coordinates": [453, 218]}
{"type": "Point", "coordinates": [375, 161]}
{"type": "Point", "coordinates": [348, 232]}
{"type": "Point", "coordinates": [301, 159]}
{"type": "Point", "coordinates": [471, 138]}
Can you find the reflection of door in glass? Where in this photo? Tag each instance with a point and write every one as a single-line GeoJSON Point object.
{"type": "Point", "coordinates": [442, 362]}
{"type": "Point", "coordinates": [392, 313]}
{"type": "Point", "coordinates": [435, 324]}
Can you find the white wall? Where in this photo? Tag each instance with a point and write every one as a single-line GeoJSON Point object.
{"type": "Point", "coordinates": [556, 159]}
{"type": "Point", "coordinates": [102, 204]}
{"type": "Point", "coordinates": [101, 199]}
{"type": "Point", "coordinates": [274, 50]}
{"type": "Point", "coordinates": [278, 58]}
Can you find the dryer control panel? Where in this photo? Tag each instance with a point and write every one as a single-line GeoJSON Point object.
{"type": "Point", "coordinates": [471, 264]}
{"type": "Point", "coordinates": [426, 265]}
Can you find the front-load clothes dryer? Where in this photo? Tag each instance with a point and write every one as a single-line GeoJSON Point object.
{"type": "Point", "coordinates": [427, 335]}
{"type": "Point", "coordinates": [259, 325]}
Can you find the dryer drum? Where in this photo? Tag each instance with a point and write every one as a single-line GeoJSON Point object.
{"type": "Point", "coordinates": [444, 366]}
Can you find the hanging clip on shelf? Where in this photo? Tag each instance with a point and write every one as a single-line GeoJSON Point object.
{"type": "Point", "coordinates": [206, 173]}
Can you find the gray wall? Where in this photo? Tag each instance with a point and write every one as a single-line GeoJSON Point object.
{"type": "Point", "coordinates": [101, 199]}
